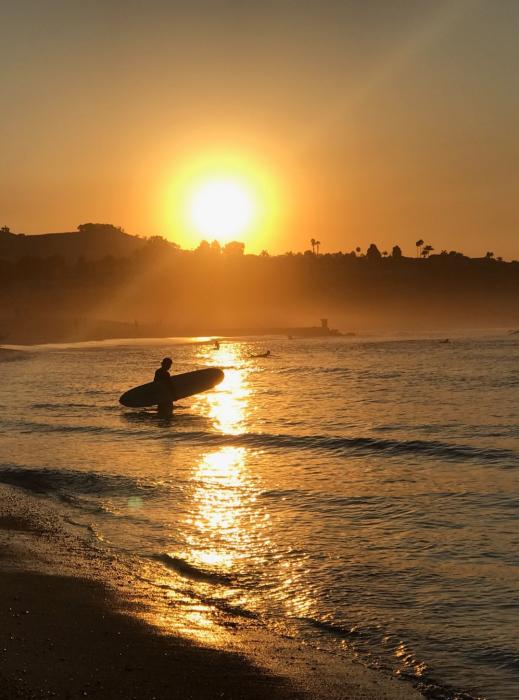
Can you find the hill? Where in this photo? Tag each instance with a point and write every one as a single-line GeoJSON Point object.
{"type": "Point", "coordinates": [99, 281]}
{"type": "Point", "coordinates": [90, 241]}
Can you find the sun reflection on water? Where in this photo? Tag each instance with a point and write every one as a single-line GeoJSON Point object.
{"type": "Point", "coordinates": [225, 532]}
{"type": "Point", "coordinates": [220, 500]}
{"type": "Point", "coordinates": [216, 534]}
{"type": "Point", "coordinates": [229, 404]}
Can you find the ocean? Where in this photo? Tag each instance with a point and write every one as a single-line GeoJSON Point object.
{"type": "Point", "coordinates": [358, 495]}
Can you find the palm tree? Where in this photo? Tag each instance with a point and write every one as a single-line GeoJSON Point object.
{"type": "Point", "coordinates": [419, 243]}
{"type": "Point", "coordinates": [312, 243]}
{"type": "Point", "coordinates": [489, 255]}
{"type": "Point", "coordinates": [357, 249]}
{"type": "Point", "coordinates": [428, 249]}
{"type": "Point", "coordinates": [317, 244]}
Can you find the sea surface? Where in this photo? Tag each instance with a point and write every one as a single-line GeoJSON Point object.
{"type": "Point", "coordinates": [359, 494]}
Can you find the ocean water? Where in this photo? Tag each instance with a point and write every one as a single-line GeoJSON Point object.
{"type": "Point", "coordinates": [361, 495]}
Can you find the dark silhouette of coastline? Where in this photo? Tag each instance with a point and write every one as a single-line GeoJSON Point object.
{"type": "Point", "coordinates": [100, 282]}
{"type": "Point", "coordinates": [91, 241]}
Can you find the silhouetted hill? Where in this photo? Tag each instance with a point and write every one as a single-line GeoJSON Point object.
{"type": "Point", "coordinates": [90, 241]}
{"type": "Point", "coordinates": [70, 285]}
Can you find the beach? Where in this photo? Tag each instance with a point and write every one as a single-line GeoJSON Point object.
{"type": "Point", "coordinates": [313, 527]}
{"type": "Point", "coordinates": [70, 628]}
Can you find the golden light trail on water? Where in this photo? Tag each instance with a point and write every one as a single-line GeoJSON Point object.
{"type": "Point", "coordinates": [226, 530]}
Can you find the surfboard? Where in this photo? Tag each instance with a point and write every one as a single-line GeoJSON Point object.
{"type": "Point", "coordinates": [182, 386]}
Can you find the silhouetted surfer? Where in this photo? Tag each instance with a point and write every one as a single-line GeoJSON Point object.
{"type": "Point", "coordinates": [162, 376]}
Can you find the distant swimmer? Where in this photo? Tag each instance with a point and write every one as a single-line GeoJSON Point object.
{"type": "Point", "coordinates": [263, 354]}
{"type": "Point", "coordinates": [216, 345]}
{"type": "Point", "coordinates": [163, 377]}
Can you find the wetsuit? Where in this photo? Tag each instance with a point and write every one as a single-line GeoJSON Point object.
{"type": "Point", "coordinates": [162, 375]}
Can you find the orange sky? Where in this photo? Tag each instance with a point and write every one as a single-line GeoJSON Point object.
{"type": "Point", "coordinates": [371, 121]}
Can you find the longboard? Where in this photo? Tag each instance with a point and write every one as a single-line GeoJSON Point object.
{"type": "Point", "coordinates": [181, 386]}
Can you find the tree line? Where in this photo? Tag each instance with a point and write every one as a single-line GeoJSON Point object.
{"type": "Point", "coordinates": [223, 286]}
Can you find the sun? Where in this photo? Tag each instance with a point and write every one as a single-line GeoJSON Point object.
{"type": "Point", "coordinates": [221, 208]}
{"type": "Point", "coordinates": [220, 195]}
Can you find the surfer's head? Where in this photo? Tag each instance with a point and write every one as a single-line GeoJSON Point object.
{"type": "Point", "coordinates": [166, 362]}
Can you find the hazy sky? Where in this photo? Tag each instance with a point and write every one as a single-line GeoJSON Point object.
{"type": "Point", "coordinates": [374, 120]}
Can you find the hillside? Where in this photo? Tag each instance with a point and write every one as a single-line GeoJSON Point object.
{"type": "Point", "coordinates": [90, 241]}
{"type": "Point", "coordinates": [153, 287]}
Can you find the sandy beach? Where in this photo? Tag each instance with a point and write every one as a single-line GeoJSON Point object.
{"type": "Point", "coordinates": [69, 628]}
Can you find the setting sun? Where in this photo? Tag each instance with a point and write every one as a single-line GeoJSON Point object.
{"type": "Point", "coordinates": [221, 208]}
{"type": "Point", "coordinates": [223, 196]}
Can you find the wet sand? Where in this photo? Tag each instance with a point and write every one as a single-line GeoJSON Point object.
{"type": "Point", "coordinates": [65, 637]}
{"type": "Point", "coordinates": [70, 629]}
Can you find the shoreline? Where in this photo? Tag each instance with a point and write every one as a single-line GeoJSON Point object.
{"type": "Point", "coordinates": [14, 344]}
{"type": "Point", "coordinates": [57, 331]}
{"type": "Point", "coordinates": [75, 622]}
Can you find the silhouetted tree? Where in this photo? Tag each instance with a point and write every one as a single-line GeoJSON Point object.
{"type": "Point", "coordinates": [33, 277]}
{"type": "Point", "coordinates": [317, 245]}
{"type": "Point", "coordinates": [357, 249]}
{"type": "Point", "coordinates": [489, 255]}
{"type": "Point", "coordinates": [234, 248]}
{"type": "Point", "coordinates": [373, 253]}
{"type": "Point", "coordinates": [160, 243]}
{"type": "Point", "coordinates": [203, 248]}
{"type": "Point", "coordinates": [5, 229]}
{"type": "Point", "coordinates": [99, 228]}
{"type": "Point", "coordinates": [313, 243]}
{"type": "Point", "coordinates": [419, 243]}
{"type": "Point", "coordinates": [427, 250]}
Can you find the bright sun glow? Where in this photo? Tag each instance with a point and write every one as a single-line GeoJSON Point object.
{"type": "Point", "coordinates": [221, 208]}
{"type": "Point", "coordinates": [221, 196]}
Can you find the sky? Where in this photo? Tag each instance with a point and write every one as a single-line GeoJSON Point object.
{"type": "Point", "coordinates": [356, 121]}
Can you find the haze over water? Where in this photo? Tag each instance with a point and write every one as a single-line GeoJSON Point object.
{"type": "Point", "coordinates": [359, 494]}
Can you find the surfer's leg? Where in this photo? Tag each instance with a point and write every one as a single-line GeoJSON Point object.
{"type": "Point", "coordinates": [165, 409]}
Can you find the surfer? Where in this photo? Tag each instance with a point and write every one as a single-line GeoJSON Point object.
{"type": "Point", "coordinates": [162, 376]}
{"type": "Point", "coordinates": [216, 345]}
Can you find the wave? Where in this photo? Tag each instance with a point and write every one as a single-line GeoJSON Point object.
{"type": "Point", "coordinates": [62, 483]}
{"type": "Point", "coordinates": [333, 628]}
{"type": "Point", "coordinates": [407, 667]}
{"type": "Point", "coordinates": [32, 427]}
{"type": "Point", "coordinates": [312, 370]}
{"type": "Point", "coordinates": [348, 446]}
{"type": "Point", "coordinates": [68, 406]}
{"type": "Point", "coordinates": [356, 446]}
{"type": "Point", "coordinates": [8, 355]}
{"type": "Point", "coordinates": [195, 573]}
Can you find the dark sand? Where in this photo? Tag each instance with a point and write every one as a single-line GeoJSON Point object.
{"type": "Point", "coordinates": [70, 638]}
{"type": "Point", "coordinates": [73, 637]}
{"type": "Point", "coordinates": [70, 627]}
